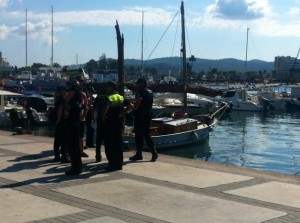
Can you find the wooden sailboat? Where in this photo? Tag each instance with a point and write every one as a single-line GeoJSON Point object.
{"type": "Point", "coordinates": [177, 131]}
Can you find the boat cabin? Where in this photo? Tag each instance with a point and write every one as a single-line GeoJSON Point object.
{"type": "Point", "coordinates": [164, 126]}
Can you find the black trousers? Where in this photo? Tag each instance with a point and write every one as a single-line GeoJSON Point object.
{"type": "Point", "coordinates": [113, 141]}
{"type": "Point", "coordinates": [73, 147]}
{"type": "Point", "coordinates": [89, 134]}
{"type": "Point", "coordinates": [142, 132]}
{"type": "Point", "coordinates": [99, 138]}
{"type": "Point", "coordinates": [60, 141]}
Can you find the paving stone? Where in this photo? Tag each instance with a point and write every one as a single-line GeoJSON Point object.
{"type": "Point", "coordinates": [273, 192]}
{"type": "Point", "coordinates": [190, 176]}
{"type": "Point", "coordinates": [16, 206]}
{"type": "Point", "coordinates": [169, 204]}
{"type": "Point", "coordinates": [37, 172]}
{"type": "Point", "coordinates": [105, 219]}
{"type": "Point", "coordinates": [12, 140]}
{"type": "Point", "coordinates": [34, 148]}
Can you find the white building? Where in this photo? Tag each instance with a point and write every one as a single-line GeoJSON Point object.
{"type": "Point", "coordinates": [52, 72]}
{"type": "Point", "coordinates": [25, 75]}
{"type": "Point", "coordinates": [103, 76]}
{"type": "Point", "coordinates": [285, 64]}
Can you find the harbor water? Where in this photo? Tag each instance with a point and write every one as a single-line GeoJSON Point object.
{"type": "Point", "coordinates": [265, 141]}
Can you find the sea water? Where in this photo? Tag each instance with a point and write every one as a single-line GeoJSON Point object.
{"type": "Point", "coordinates": [265, 141]}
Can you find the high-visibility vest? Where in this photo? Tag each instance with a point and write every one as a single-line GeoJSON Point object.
{"type": "Point", "coordinates": [116, 100]}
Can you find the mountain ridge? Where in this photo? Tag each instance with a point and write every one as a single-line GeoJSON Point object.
{"type": "Point", "coordinates": [165, 64]}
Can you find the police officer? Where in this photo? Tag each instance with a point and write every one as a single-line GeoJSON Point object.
{"type": "Point", "coordinates": [60, 128]}
{"type": "Point", "coordinates": [114, 109]}
{"type": "Point", "coordinates": [99, 103]}
{"type": "Point", "coordinates": [72, 119]}
{"type": "Point", "coordinates": [89, 119]}
{"type": "Point", "coordinates": [142, 120]}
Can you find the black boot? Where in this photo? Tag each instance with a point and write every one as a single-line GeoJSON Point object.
{"type": "Point", "coordinates": [154, 155]}
{"type": "Point", "coordinates": [98, 159]}
{"type": "Point", "coordinates": [136, 157]}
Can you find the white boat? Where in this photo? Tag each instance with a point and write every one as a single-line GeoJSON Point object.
{"type": "Point", "coordinates": [239, 101]}
{"type": "Point", "coordinates": [6, 105]}
{"type": "Point", "coordinates": [174, 132]}
{"type": "Point", "coordinates": [272, 100]}
{"type": "Point", "coordinates": [170, 102]}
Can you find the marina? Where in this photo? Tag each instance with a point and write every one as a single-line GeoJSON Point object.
{"type": "Point", "coordinates": [263, 141]}
{"type": "Point", "coordinates": [150, 111]}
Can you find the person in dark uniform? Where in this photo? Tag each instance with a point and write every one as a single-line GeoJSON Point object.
{"type": "Point", "coordinates": [99, 103]}
{"type": "Point", "coordinates": [142, 120]}
{"type": "Point", "coordinates": [30, 113]}
{"type": "Point", "coordinates": [114, 109]}
{"type": "Point", "coordinates": [72, 118]}
{"type": "Point", "coordinates": [90, 118]}
{"type": "Point", "coordinates": [60, 128]}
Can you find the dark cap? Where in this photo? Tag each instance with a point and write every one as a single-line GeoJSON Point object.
{"type": "Point", "coordinates": [91, 89]}
{"type": "Point", "coordinates": [141, 80]}
{"type": "Point", "coordinates": [111, 84]}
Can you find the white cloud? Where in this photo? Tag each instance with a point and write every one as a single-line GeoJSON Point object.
{"type": "Point", "coordinates": [127, 16]}
{"type": "Point", "coordinates": [239, 9]}
{"type": "Point", "coordinates": [256, 14]}
{"type": "Point", "coordinates": [294, 11]}
{"type": "Point", "coordinates": [4, 3]}
{"type": "Point", "coordinates": [268, 27]}
{"type": "Point", "coordinates": [39, 25]}
{"type": "Point", "coordinates": [5, 31]}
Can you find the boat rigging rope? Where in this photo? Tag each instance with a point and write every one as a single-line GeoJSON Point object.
{"type": "Point", "coordinates": [174, 41]}
{"type": "Point", "coordinates": [163, 35]}
{"type": "Point", "coordinates": [188, 40]}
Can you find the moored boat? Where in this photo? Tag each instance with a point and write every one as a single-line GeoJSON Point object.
{"type": "Point", "coordinates": [179, 130]}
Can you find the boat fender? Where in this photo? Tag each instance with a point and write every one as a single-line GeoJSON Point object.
{"type": "Point", "coordinates": [194, 137]}
{"type": "Point", "coordinates": [179, 114]}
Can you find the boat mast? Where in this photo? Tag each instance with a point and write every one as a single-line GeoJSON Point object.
{"type": "Point", "coordinates": [183, 52]}
{"type": "Point", "coordinates": [142, 47]}
{"type": "Point", "coordinates": [246, 60]}
{"type": "Point", "coordinates": [52, 36]}
{"type": "Point", "coordinates": [26, 53]}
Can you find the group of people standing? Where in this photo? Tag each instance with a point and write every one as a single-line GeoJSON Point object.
{"type": "Point", "coordinates": [76, 107]}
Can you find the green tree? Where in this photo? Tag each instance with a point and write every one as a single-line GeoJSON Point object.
{"type": "Point", "coordinates": [111, 64]}
{"type": "Point", "coordinates": [91, 66]}
{"type": "Point", "coordinates": [102, 63]}
{"type": "Point", "coordinates": [56, 65]}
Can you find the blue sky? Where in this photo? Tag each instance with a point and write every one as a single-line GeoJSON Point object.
{"type": "Point", "coordinates": [216, 29]}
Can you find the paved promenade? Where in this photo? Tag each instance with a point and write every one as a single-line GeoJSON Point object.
{"type": "Point", "coordinates": [171, 190]}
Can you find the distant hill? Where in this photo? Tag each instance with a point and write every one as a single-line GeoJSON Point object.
{"type": "Point", "coordinates": [163, 65]}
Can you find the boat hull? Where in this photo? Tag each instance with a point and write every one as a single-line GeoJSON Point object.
{"type": "Point", "coordinates": [175, 140]}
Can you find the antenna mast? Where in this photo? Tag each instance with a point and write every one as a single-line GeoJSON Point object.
{"type": "Point", "coordinates": [142, 49]}
{"type": "Point", "coordinates": [246, 60]}
{"type": "Point", "coordinates": [51, 35]}
{"type": "Point", "coordinates": [26, 54]}
{"type": "Point", "coordinates": [183, 51]}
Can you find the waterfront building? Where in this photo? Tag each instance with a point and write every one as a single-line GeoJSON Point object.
{"type": "Point", "coordinates": [285, 64]}
{"type": "Point", "coordinates": [4, 65]}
